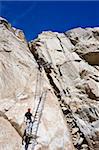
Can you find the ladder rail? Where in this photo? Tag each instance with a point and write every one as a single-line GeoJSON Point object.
{"type": "Point", "coordinates": [33, 129]}
{"type": "Point", "coordinates": [39, 100]}
{"type": "Point", "coordinates": [38, 85]}
{"type": "Point", "coordinates": [34, 142]}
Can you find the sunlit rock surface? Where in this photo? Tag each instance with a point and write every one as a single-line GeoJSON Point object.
{"type": "Point", "coordinates": [70, 61]}
{"type": "Point", "coordinates": [9, 138]}
{"type": "Point", "coordinates": [18, 80]}
{"type": "Point", "coordinates": [69, 65]}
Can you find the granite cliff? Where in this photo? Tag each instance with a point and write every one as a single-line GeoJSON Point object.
{"type": "Point", "coordinates": [69, 67]}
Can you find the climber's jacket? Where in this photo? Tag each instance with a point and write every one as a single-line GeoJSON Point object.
{"type": "Point", "coordinates": [28, 116]}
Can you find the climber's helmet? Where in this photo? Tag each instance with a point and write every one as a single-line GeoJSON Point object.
{"type": "Point", "coordinates": [29, 109]}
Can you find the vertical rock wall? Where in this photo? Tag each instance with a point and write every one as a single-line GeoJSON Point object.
{"type": "Point", "coordinates": [18, 80]}
{"type": "Point", "coordinates": [71, 65]}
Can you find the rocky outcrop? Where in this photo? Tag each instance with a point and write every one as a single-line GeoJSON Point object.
{"type": "Point", "coordinates": [86, 42]}
{"type": "Point", "coordinates": [19, 73]}
{"type": "Point", "coordinates": [74, 80]}
{"type": "Point", "coordinates": [64, 64]}
{"type": "Point", "coordinates": [9, 138]}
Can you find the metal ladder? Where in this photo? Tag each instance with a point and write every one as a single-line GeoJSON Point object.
{"type": "Point", "coordinates": [32, 127]}
{"type": "Point", "coordinates": [37, 118]}
{"type": "Point", "coordinates": [36, 121]}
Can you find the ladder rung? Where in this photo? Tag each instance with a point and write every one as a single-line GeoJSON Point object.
{"type": "Point", "coordinates": [32, 129]}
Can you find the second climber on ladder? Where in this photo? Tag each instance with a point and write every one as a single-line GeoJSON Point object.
{"type": "Point", "coordinates": [28, 119]}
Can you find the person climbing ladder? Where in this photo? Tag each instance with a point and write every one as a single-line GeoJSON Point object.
{"type": "Point", "coordinates": [29, 120]}
{"type": "Point", "coordinates": [26, 139]}
{"type": "Point", "coordinates": [28, 116]}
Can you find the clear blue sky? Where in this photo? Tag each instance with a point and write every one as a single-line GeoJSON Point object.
{"type": "Point", "coordinates": [35, 17]}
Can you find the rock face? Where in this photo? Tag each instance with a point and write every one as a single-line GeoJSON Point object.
{"type": "Point", "coordinates": [19, 76]}
{"type": "Point", "coordinates": [74, 75]}
{"type": "Point", "coordinates": [64, 64]}
{"type": "Point", "coordinates": [9, 138]}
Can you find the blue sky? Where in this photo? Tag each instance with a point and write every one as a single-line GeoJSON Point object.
{"type": "Point", "coordinates": [33, 17]}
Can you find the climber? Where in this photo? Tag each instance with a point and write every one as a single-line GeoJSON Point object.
{"type": "Point", "coordinates": [28, 116]}
{"type": "Point", "coordinates": [26, 139]}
